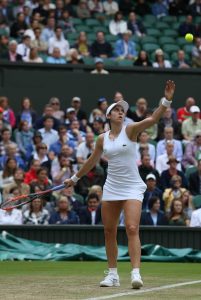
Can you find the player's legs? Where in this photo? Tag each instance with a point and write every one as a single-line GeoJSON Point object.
{"type": "Point", "coordinates": [110, 217]}
{"type": "Point", "coordinates": [132, 212]}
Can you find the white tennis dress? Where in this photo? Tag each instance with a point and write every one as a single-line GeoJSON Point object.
{"type": "Point", "coordinates": [123, 179]}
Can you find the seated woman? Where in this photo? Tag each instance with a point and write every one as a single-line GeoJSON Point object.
{"type": "Point", "coordinates": [82, 45]}
{"type": "Point", "coordinates": [24, 139]}
{"type": "Point", "coordinates": [142, 60]}
{"type": "Point", "coordinates": [63, 213]}
{"type": "Point", "coordinates": [61, 170]}
{"type": "Point", "coordinates": [160, 61]}
{"type": "Point", "coordinates": [36, 214]}
{"type": "Point", "coordinates": [6, 175]}
{"type": "Point", "coordinates": [33, 56]}
{"type": "Point", "coordinates": [177, 217]}
{"type": "Point", "coordinates": [154, 216]}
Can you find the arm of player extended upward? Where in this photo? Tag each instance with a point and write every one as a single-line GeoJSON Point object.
{"type": "Point", "coordinates": [134, 129]}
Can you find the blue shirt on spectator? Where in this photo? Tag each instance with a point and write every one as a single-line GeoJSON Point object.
{"type": "Point", "coordinates": [53, 60]}
{"type": "Point", "coordinates": [124, 49]}
{"type": "Point", "coordinates": [55, 218]}
{"type": "Point", "coordinates": [56, 147]}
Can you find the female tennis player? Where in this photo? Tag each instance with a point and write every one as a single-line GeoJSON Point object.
{"type": "Point", "coordinates": [124, 188]}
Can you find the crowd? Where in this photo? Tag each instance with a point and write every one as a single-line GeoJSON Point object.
{"type": "Point", "coordinates": [37, 151]}
{"type": "Point", "coordinates": [35, 31]}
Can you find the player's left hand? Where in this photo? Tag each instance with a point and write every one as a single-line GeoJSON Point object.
{"type": "Point", "coordinates": [169, 90]}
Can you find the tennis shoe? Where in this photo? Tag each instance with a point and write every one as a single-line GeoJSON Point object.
{"type": "Point", "coordinates": [136, 280]}
{"type": "Point", "coordinates": [111, 279]}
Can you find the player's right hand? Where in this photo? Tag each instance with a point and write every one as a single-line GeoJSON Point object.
{"type": "Point", "coordinates": [68, 182]}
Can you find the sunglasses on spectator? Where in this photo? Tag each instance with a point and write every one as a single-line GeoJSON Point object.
{"type": "Point", "coordinates": [43, 148]}
{"type": "Point", "coordinates": [55, 103]}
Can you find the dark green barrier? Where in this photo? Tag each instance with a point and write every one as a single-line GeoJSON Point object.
{"type": "Point", "coordinates": [13, 248]}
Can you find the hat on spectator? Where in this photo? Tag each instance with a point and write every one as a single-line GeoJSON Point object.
{"type": "Point", "coordinates": [194, 109]}
{"type": "Point", "coordinates": [1, 110]}
{"type": "Point", "coordinates": [98, 119]}
{"type": "Point", "coordinates": [99, 60]}
{"type": "Point", "coordinates": [159, 52]}
{"type": "Point", "coordinates": [76, 99]}
{"type": "Point", "coordinates": [172, 158]}
{"type": "Point", "coordinates": [102, 99]}
{"type": "Point", "coordinates": [150, 176]}
{"type": "Point", "coordinates": [70, 109]}
{"type": "Point", "coordinates": [122, 103]}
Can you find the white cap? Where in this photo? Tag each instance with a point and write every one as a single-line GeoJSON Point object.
{"type": "Point", "coordinates": [76, 99]}
{"type": "Point", "coordinates": [70, 109]}
{"type": "Point", "coordinates": [122, 103]}
{"type": "Point", "coordinates": [194, 109]}
{"type": "Point", "coordinates": [151, 176]}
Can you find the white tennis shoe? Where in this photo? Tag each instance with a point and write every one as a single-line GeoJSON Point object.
{"type": "Point", "coordinates": [136, 280]}
{"type": "Point", "coordinates": [110, 280]}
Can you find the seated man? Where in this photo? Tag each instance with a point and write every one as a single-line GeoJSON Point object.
{"type": "Point", "coordinates": [92, 213]}
{"type": "Point", "coordinates": [192, 124]}
{"type": "Point", "coordinates": [125, 48]}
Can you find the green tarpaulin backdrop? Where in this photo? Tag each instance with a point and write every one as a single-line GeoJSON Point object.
{"type": "Point", "coordinates": [14, 248]}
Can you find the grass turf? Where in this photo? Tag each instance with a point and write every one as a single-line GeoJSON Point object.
{"type": "Point", "coordinates": [79, 280]}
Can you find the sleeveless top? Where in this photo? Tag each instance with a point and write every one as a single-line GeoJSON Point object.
{"type": "Point", "coordinates": [123, 179]}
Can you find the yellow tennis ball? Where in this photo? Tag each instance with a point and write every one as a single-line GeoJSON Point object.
{"type": "Point", "coordinates": [189, 37]}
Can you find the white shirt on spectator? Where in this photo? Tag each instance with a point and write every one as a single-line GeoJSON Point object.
{"type": "Point", "coordinates": [23, 50]}
{"type": "Point", "coordinates": [161, 163]}
{"type": "Point", "coordinates": [152, 152]}
{"type": "Point", "coordinates": [117, 27]}
{"type": "Point", "coordinates": [49, 137]}
{"type": "Point", "coordinates": [178, 152]}
{"type": "Point", "coordinates": [47, 33]}
{"type": "Point", "coordinates": [62, 44]}
{"type": "Point", "coordinates": [12, 217]}
{"type": "Point", "coordinates": [83, 151]}
{"type": "Point", "coordinates": [167, 64]}
{"type": "Point", "coordinates": [196, 218]}
{"type": "Point", "coordinates": [110, 8]}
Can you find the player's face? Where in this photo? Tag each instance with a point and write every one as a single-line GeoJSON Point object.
{"type": "Point", "coordinates": [117, 114]}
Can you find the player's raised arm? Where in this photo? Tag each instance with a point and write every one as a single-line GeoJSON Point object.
{"type": "Point", "coordinates": [89, 164]}
{"type": "Point", "coordinates": [134, 129]}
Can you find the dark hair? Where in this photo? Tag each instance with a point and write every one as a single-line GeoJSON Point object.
{"type": "Point", "coordinates": [6, 171]}
{"type": "Point", "coordinates": [4, 130]}
{"type": "Point", "coordinates": [21, 124]}
{"type": "Point", "coordinates": [152, 201]}
{"type": "Point", "coordinates": [48, 117]}
{"type": "Point", "coordinates": [41, 169]}
{"type": "Point", "coordinates": [61, 127]}
{"type": "Point", "coordinates": [183, 215]}
{"type": "Point", "coordinates": [116, 15]}
{"type": "Point", "coordinates": [92, 196]}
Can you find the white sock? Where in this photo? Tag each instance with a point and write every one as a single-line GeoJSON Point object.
{"type": "Point", "coordinates": [113, 270]}
{"type": "Point", "coordinates": [136, 271]}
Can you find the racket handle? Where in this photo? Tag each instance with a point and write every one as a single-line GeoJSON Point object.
{"type": "Point", "coordinates": [58, 187]}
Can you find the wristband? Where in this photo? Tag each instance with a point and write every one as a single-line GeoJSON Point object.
{"type": "Point", "coordinates": [166, 102]}
{"type": "Point", "coordinates": [74, 178]}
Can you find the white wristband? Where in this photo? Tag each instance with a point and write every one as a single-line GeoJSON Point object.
{"type": "Point", "coordinates": [166, 102]}
{"type": "Point", "coordinates": [74, 178]}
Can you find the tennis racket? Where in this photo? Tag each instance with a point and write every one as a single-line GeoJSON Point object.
{"type": "Point", "coordinates": [24, 199]}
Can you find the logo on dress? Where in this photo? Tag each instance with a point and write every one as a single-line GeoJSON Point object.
{"type": "Point", "coordinates": [124, 145]}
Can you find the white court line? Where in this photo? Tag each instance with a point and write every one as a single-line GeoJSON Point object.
{"type": "Point", "coordinates": [133, 293]}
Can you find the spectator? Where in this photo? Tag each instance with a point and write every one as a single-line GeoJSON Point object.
{"type": "Point", "coordinates": [117, 26]}
{"type": "Point", "coordinates": [142, 8]}
{"type": "Point", "coordinates": [85, 149]}
{"type": "Point", "coordinates": [48, 111]}
{"type": "Point", "coordinates": [177, 217]}
{"type": "Point", "coordinates": [41, 153]}
{"type": "Point", "coordinates": [63, 215]}
{"type": "Point", "coordinates": [98, 190]}
{"type": "Point", "coordinates": [70, 116]}
{"type": "Point", "coordinates": [37, 140]}
{"type": "Point", "coordinates": [195, 8]}
{"type": "Point", "coordinates": [10, 217]}
{"type": "Point", "coordinates": [154, 216]}
{"type": "Point", "coordinates": [99, 67]}
{"type": "Point", "coordinates": [168, 174]}
{"type": "Point", "coordinates": [12, 55]}
{"type": "Point", "coordinates": [81, 115]}
{"type": "Point", "coordinates": [184, 113]}
{"type": "Point", "coordinates": [196, 218]}
{"type": "Point", "coordinates": [82, 44]}
{"type": "Point", "coordinates": [192, 124]}
{"type": "Point", "coordinates": [7, 174]}
{"type": "Point", "coordinates": [146, 168]}
{"type": "Point", "coordinates": [75, 134]}
{"type": "Point", "coordinates": [48, 30]}
{"type": "Point", "coordinates": [196, 47]}
{"type": "Point", "coordinates": [140, 111]}
{"type": "Point", "coordinates": [3, 123]}
{"type": "Point", "coordinates": [59, 9]}
{"type": "Point", "coordinates": [24, 137]}
{"type": "Point", "coordinates": [6, 12]}
{"type": "Point", "coordinates": [74, 57]}
{"type": "Point", "coordinates": [168, 121]}
{"type": "Point", "coordinates": [135, 26]}
{"type": "Point", "coordinates": [187, 27]}
{"type": "Point", "coordinates": [49, 135]}
{"type": "Point", "coordinates": [174, 192]}
{"type": "Point", "coordinates": [23, 49]}
{"type": "Point", "coordinates": [142, 60]}
{"type": "Point", "coordinates": [110, 7]}
{"type": "Point", "coordinates": [151, 191]}
{"type": "Point", "coordinates": [161, 161]}
{"type": "Point", "coordinates": [6, 141]}
{"type": "Point", "coordinates": [63, 140]}
{"type": "Point", "coordinates": [58, 41]}
{"type": "Point", "coordinates": [76, 201]}
{"type": "Point", "coordinates": [83, 11]}
{"type": "Point", "coordinates": [160, 61]}
{"type": "Point", "coordinates": [8, 113]}
{"type": "Point", "coordinates": [69, 7]}
{"type": "Point", "coordinates": [186, 199]}
{"type": "Point", "coordinates": [58, 113]}
{"type": "Point", "coordinates": [195, 180]}
{"type": "Point", "coordinates": [36, 214]}
{"type": "Point", "coordinates": [143, 140]}
{"type": "Point", "coordinates": [66, 23]}
{"type": "Point", "coordinates": [33, 56]}
{"type": "Point", "coordinates": [38, 42]}
{"type": "Point", "coordinates": [26, 113]}
{"type": "Point", "coordinates": [31, 174]}
{"type": "Point", "coordinates": [159, 10]}
{"type": "Point", "coordinates": [168, 136]}
{"type": "Point", "coordinates": [181, 62]}
{"type": "Point", "coordinates": [56, 58]}
{"type": "Point", "coordinates": [92, 213]}
{"type": "Point", "coordinates": [192, 151]}
{"type": "Point", "coordinates": [95, 7]}
{"type": "Point", "coordinates": [42, 181]}
{"type": "Point", "coordinates": [196, 61]}
{"type": "Point", "coordinates": [18, 27]}
{"type": "Point", "coordinates": [30, 31]}
{"type": "Point", "coordinates": [126, 6]}
{"type": "Point", "coordinates": [98, 127]}
{"type": "Point", "coordinates": [18, 183]}
{"type": "Point", "coordinates": [101, 48]}
{"type": "Point", "coordinates": [125, 48]}
{"type": "Point", "coordinates": [61, 170]}
{"type": "Point", "coordinates": [4, 41]}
